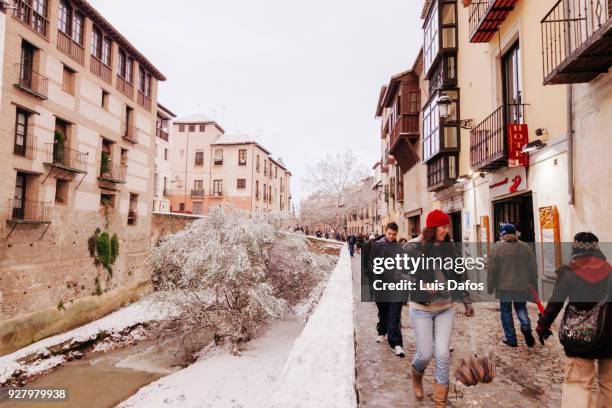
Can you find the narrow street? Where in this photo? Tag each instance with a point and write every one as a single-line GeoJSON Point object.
{"type": "Point", "coordinates": [524, 377]}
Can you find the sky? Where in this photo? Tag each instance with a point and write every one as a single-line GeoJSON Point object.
{"type": "Point", "coordinates": [301, 78]}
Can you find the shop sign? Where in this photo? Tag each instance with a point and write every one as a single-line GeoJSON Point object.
{"type": "Point", "coordinates": [511, 181]}
{"type": "Point", "coordinates": [518, 136]}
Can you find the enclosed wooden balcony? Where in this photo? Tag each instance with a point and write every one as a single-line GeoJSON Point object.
{"type": "Point", "coordinates": [130, 133]}
{"type": "Point", "coordinates": [125, 87]}
{"type": "Point", "coordinates": [30, 81]}
{"type": "Point", "coordinates": [70, 47]}
{"type": "Point", "coordinates": [23, 211]}
{"type": "Point", "coordinates": [486, 16]}
{"type": "Point", "coordinates": [37, 22]}
{"type": "Point", "coordinates": [576, 41]}
{"type": "Point", "coordinates": [162, 134]}
{"type": "Point", "coordinates": [65, 158]}
{"type": "Point", "coordinates": [144, 101]}
{"type": "Point", "coordinates": [489, 139]}
{"type": "Point", "coordinates": [100, 69]}
{"type": "Point", "coordinates": [403, 136]}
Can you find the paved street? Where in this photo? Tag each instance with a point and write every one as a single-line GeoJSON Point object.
{"type": "Point", "coordinates": [525, 378]}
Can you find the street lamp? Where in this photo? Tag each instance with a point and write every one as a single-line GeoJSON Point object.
{"type": "Point", "coordinates": [444, 103]}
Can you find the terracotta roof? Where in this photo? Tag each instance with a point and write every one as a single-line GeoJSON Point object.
{"type": "Point", "coordinates": [165, 111]}
{"type": "Point", "coordinates": [198, 118]}
{"type": "Point", "coordinates": [108, 28]}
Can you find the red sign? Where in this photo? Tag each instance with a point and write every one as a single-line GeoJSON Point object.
{"type": "Point", "coordinates": [518, 136]}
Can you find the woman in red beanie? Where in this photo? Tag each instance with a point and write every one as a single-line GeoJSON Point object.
{"type": "Point", "coordinates": [431, 310]}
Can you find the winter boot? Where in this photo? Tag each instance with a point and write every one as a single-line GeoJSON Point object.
{"type": "Point", "coordinates": [528, 338]}
{"type": "Point", "coordinates": [440, 395]}
{"type": "Point", "coordinates": [417, 383]}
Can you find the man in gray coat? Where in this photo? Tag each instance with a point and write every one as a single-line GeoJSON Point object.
{"type": "Point", "coordinates": [512, 272]}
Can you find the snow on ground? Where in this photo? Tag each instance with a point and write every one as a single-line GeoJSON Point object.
{"type": "Point", "coordinates": [146, 310]}
{"type": "Point", "coordinates": [320, 371]}
{"type": "Point", "coordinates": [223, 380]}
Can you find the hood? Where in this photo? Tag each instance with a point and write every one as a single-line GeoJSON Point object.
{"type": "Point", "coordinates": [591, 269]}
{"type": "Point", "coordinates": [509, 238]}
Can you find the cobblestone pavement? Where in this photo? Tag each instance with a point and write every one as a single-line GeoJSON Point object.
{"type": "Point", "coordinates": [525, 377]}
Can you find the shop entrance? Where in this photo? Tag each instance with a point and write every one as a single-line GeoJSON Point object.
{"type": "Point", "coordinates": [518, 211]}
{"type": "Point", "coordinates": [456, 230]}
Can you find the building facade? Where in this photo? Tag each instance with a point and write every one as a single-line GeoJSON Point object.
{"type": "Point", "coordinates": [211, 168]}
{"type": "Point", "coordinates": [78, 116]}
{"type": "Point", "coordinates": [163, 157]}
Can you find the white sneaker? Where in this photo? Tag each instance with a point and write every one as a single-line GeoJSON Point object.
{"type": "Point", "coordinates": [380, 339]}
{"type": "Point", "coordinates": [399, 351]}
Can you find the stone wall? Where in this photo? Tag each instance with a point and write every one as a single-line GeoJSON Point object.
{"type": "Point", "coordinates": [163, 224]}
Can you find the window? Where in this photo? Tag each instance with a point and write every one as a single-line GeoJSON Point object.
{"type": "Point", "coordinates": [431, 126]}
{"type": "Point", "coordinates": [21, 132]}
{"type": "Point", "coordinates": [275, 172]}
{"type": "Point", "coordinates": [265, 166]}
{"type": "Point", "coordinates": [106, 51]}
{"type": "Point", "coordinates": [218, 157]}
{"type": "Point", "coordinates": [198, 208]}
{"type": "Point", "coordinates": [166, 154]}
{"type": "Point", "coordinates": [242, 157]}
{"type": "Point", "coordinates": [265, 192]}
{"type": "Point", "coordinates": [182, 207]}
{"type": "Point", "coordinates": [199, 159]}
{"type": "Point", "coordinates": [257, 189]}
{"type": "Point", "coordinates": [241, 183]}
{"type": "Point", "coordinates": [68, 81]}
{"type": "Point", "coordinates": [202, 127]}
{"type": "Point", "coordinates": [512, 92]}
{"type": "Point", "coordinates": [77, 32]}
{"type": "Point", "coordinates": [105, 98]}
{"type": "Point", "coordinates": [449, 25]}
{"type": "Point", "coordinates": [101, 46]}
{"type": "Point", "coordinates": [65, 18]}
{"type": "Point", "coordinates": [107, 200]}
{"type": "Point", "coordinates": [133, 209]}
{"type": "Point", "coordinates": [415, 102]}
{"type": "Point", "coordinates": [126, 66]}
{"type": "Point", "coordinates": [192, 128]}
{"type": "Point", "coordinates": [198, 184]}
{"type": "Point", "coordinates": [218, 188]}
{"type": "Point", "coordinates": [61, 191]}
{"type": "Point", "coordinates": [270, 193]}
{"type": "Point", "coordinates": [257, 163]}
{"type": "Point", "coordinates": [144, 85]}
{"type": "Point", "coordinates": [431, 40]}
{"type": "Point", "coordinates": [181, 128]}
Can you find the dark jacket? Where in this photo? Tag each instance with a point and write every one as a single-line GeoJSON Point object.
{"type": "Point", "coordinates": [587, 277]}
{"type": "Point", "coordinates": [415, 249]}
{"type": "Point", "coordinates": [512, 267]}
{"type": "Point", "coordinates": [381, 248]}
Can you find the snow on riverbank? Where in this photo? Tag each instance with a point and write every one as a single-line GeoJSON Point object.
{"type": "Point", "coordinates": [320, 371]}
{"type": "Point", "coordinates": [146, 310]}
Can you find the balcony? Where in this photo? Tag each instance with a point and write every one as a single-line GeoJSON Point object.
{"type": "Point", "coordinates": [162, 134]}
{"type": "Point", "coordinates": [65, 158]}
{"type": "Point", "coordinates": [27, 149]}
{"type": "Point", "coordinates": [113, 173]}
{"type": "Point", "coordinates": [70, 47]}
{"type": "Point", "coordinates": [23, 211]}
{"type": "Point", "coordinates": [30, 17]}
{"type": "Point", "coordinates": [197, 193]}
{"type": "Point", "coordinates": [125, 87]}
{"type": "Point", "coordinates": [144, 101]}
{"type": "Point", "coordinates": [576, 41]}
{"type": "Point", "coordinates": [489, 139]}
{"type": "Point", "coordinates": [100, 69]}
{"type": "Point", "coordinates": [404, 134]}
{"type": "Point", "coordinates": [31, 81]}
{"type": "Point", "coordinates": [486, 16]}
{"type": "Point", "coordinates": [130, 133]}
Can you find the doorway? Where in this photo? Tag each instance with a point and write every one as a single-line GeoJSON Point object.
{"type": "Point", "coordinates": [517, 211]}
{"type": "Point", "coordinates": [456, 230]}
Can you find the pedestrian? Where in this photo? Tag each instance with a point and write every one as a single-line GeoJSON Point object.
{"type": "Point", "coordinates": [512, 274]}
{"type": "Point", "coordinates": [351, 243]}
{"type": "Point", "coordinates": [338, 237]}
{"type": "Point", "coordinates": [389, 306]}
{"type": "Point", "coordinates": [586, 283]}
{"type": "Point", "coordinates": [431, 310]}
{"type": "Point", "coordinates": [360, 242]}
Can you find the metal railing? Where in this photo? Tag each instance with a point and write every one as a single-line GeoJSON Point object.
{"type": "Point", "coordinates": [28, 149]}
{"type": "Point", "coordinates": [100, 69]}
{"type": "Point", "coordinates": [477, 11]}
{"type": "Point", "coordinates": [567, 26]}
{"type": "Point", "coordinates": [70, 47]}
{"type": "Point", "coordinates": [197, 193]}
{"type": "Point", "coordinates": [31, 80]}
{"type": "Point", "coordinates": [130, 132]}
{"type": "Point", "coordinates": [114, 172]}
{"type": "Point", "coordinates": [488, 140]}
{"type": "Point", "coordinates": [27, 211]}
{"type": "Point", "coordinates": [30, 17]}
{"type": "Point", "coordinates": [66, 158]}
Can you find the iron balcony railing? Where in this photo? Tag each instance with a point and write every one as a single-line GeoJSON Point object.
{"type": "Point", "coordinates": [489, 139]}
{"type": "Point", "coordinates": [30, 212]}
{"type": "Point", "coordinates": [567, 27]}
{"type": "Point", "coordinates": [31, 81]}
{"type": "Point", "coordinates": [66, 158]}
{"type": "Point", "coordinates": [485, 16]}
{"type": "Point", "coordinates": [115, 173]}
{"type": "Point", "coordinates": [130, 132]}
{"type": "Point", "coordinates": [197, 193]}
{"type": "Point", "coordinates": [32, 18]}
{"type": "Point", "coordinates": [28, 148]}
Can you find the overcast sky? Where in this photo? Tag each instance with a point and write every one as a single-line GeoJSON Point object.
{"type": "Point", "coordinates": [302, 77]}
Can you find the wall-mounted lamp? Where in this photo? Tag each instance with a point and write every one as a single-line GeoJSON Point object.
{"type": "Point", "coordinates": [533, 146]}
{"type": "Point", "coordinates": [444, 102]}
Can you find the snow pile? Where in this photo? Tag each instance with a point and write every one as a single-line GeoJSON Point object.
{"type": "Point", "coordinates": [146, 310]}
{"type": "Point", "coordinates": [320, 371]}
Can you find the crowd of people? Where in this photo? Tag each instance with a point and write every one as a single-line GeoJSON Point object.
{"type": "Point", "coordinates": [586, 328]}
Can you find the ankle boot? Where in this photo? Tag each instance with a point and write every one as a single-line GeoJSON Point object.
{"type": "Point", "coordinates": [440, 394]}
{"type": "Point", "coordinates": [529, 338]}
{"type": "Point", "coordinates": [417, 383]}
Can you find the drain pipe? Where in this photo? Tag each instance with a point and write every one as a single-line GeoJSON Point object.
{"type": "Point", "coordinates": [570, 143]}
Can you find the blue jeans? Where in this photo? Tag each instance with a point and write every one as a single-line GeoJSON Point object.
{"type": "Point", "coordinates": [433, 332]}
{"type": "Point", "coordinates": [508, 320]}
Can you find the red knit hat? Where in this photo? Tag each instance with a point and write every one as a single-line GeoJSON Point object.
{"type": "Point", "coordinates": [437, 218]}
